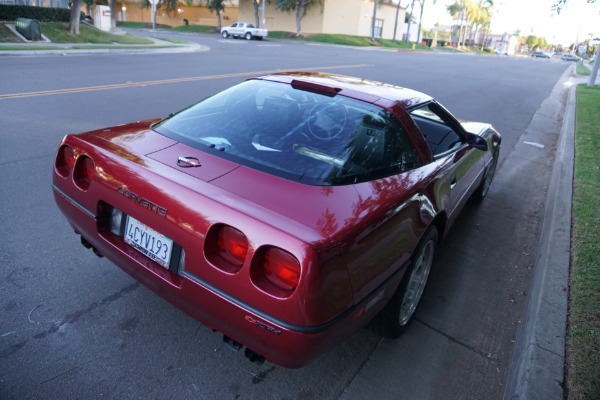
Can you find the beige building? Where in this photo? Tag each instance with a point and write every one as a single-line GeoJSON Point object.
{"type": "Point", "coordinates": [132, 11]}
{"type": "Point", "coordinates": [349, 17]}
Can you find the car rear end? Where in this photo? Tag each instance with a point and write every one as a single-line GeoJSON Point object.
{"type": "Point", "coordinates": [260, 278]}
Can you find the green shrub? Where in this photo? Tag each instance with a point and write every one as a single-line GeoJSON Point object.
{"type": "Point", "coordinates": [42, 14]}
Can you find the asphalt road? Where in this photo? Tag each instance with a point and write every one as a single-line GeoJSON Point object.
{"type": "Point", "coordinates": [75, 326]}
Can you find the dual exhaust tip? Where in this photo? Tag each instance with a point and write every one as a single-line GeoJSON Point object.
{"type": "Point", "coordinates": [251, 355]}
{"type": "Point", "coordinates": [88, 245]}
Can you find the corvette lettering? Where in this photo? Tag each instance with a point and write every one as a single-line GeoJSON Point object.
{"type": "Point", "coordinates": [262, 325]}
{"type": "Point", "coordinates": [123, 191]}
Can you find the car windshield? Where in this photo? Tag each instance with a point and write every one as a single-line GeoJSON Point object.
{"type": "Point", "coordinates": [296, 134]}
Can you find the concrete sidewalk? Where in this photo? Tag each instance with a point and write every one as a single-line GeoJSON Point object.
{"type": "Point", "coordinates": [48, 48]}
{"type": "Point", "coordinates": [537, 370]}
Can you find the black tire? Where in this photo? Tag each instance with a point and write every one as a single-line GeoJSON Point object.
{"type": "Point", "coordinates": [248, 36]}
{"type": "Point", "coordinates": [395, 318]}
{"type": "Point", "coordinates": [225, 34]}
{"type": "Point", "coordinates": [486, 182]}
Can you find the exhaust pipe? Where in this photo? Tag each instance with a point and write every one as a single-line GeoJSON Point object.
{"type": "Point", "coordinates": [233, 345]}
{"type": "Point", "coordinates": [88, 245]}
{"type": "Point", "coordinates": [254, 357]}
{"type": "Point", "coordinates": [251, 355]}
{"type": "Point", "coordinates": [85, 243]}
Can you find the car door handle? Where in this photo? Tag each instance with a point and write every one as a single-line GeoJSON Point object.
{"type": "Point", "coordinates": [453, 183]}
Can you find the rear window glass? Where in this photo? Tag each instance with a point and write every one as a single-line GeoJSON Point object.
{"type": "Point", "coordinates": [296, 134]}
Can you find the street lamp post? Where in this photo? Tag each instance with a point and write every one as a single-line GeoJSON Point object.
{"type": "Point", "coordinates": [153, 3]}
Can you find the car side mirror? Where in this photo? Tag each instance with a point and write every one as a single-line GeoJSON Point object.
{"type": "Point", "coordinates": [477, 142]}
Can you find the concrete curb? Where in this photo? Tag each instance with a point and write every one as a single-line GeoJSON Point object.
{"type": "Point", "coordinates": [68, 49]}
{"type": "Point", "coordinates": [537, 368]}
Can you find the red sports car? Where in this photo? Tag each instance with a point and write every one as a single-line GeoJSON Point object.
{"type": "Point", "coordinates": [286, 212]}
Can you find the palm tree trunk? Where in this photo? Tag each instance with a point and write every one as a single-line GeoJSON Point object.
{"type": "Point", "coordinates": [298, 18]}
{"type": "Point", "coordinates": [374, 19]}
{"type": "Point", "coordinates": [75, 17]}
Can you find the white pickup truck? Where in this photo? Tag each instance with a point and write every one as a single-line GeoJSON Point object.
{"type": "Point", "coordinates": [245, 30]}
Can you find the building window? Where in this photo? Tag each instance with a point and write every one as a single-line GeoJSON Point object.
{"type": "Point", "coordinates": [378, 28]}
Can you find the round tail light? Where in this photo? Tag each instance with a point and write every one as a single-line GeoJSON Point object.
{"type": "Point", "coordinates": [281, 269]}
{"type": "Point", "coordinates": [65, 158]}
{"type": "Point", "coordinates": [226, 248]}
{"type": "Point", "coordinates": [83, 172]}
{"type": "Point", "coordinates": [275, 271]}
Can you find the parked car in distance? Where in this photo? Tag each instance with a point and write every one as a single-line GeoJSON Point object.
{"type": "Point", "coordinates": [570, 57]}
{"type": "Point", "coordinates": [244, 29]}
{"type": "Point", "coordinates": [540, 54]}
{"type": "Point", "coordinates": [286, 212]}
{"type": "Point", "coordinates": [501, 52]}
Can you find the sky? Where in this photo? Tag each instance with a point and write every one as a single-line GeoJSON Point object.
{"type": "Point", "coordinates": [532, 17]}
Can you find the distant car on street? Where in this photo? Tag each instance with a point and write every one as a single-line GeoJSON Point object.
{"type": "Point", "coordinates": [245, 30]}
{"type": "Point", "coordinates": [570, 57]}
{"type": "Point", "coordinates": [540, 54]}
{"type": "Point", "coordinates": [501, 52]}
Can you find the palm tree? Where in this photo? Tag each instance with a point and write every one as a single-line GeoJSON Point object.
{"type": "Point", "coordinates": [422, 5]}
{"type": "Point", "coordinates": [484, 19]}
{"type": "Point", "coordinates": [374, 20]}
{"type": "Point", "coordinates": [470, 11]}
{"type": "Point", "coordinates": [454, 11]}
{"type": "Point", "coordinates": [396, 21]}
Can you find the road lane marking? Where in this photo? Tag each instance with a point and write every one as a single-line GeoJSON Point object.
{"type": "Point", "coordinates": [538, 145]}
{"type": "Point", "coordinates": [167, 81]}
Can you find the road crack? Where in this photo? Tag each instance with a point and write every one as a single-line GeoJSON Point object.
{"type": "Point", "coordinates": [71, 318]}
{"type": "Point", "coordinates": [481, 353]}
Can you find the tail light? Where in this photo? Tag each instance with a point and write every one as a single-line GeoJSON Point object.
{"type": "Point", "coordinates": [83, 172]}
{"type": "Point", "coordinates": [64, 161]}
{"type": "Point", "coordinates": [276, 271]}
{"type": "Point", "coordinates": [226, 248]}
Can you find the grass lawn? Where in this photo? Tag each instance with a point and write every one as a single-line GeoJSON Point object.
{"type": "Point", "coordinates": [6, 35]}
{"type": "Point", "coordinates": [583, 338]}
{"type": "Point", "coordinates": [582, 70]}
{"type": "Point", "coordinates": [317, 38]}
{"type": "Point", "coordinates": [58, 32]}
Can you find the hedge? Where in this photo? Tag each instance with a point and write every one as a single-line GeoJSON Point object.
{"type": "Point", "coordinates": [42, 14]}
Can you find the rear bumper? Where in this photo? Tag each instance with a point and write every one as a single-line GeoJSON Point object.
{"type": "Point", "coordinates": [281, 343]}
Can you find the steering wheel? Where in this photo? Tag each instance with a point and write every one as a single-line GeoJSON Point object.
{"type": "Point", "coordinates": [327, 120]}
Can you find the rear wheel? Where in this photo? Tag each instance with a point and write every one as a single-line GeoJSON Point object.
{"type": "Point", "coordinates": [394, 319]}
{"type": "Point", "coordinates": [248, 36]}
{"type": "Point", "coordinates": [225, 34]}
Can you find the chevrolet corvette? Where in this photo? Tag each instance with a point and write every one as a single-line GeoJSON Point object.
{"type": "Point", "coordinates": [286, 212]}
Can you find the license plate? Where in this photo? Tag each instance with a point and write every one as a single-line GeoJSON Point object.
{"type": "Point", "coordinates": [149, 242]}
